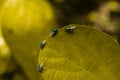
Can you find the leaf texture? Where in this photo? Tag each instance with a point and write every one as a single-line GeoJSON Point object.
{"type": "Point", "coordinates": [85, 54]}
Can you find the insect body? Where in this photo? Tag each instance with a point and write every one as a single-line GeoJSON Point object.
{"type": "Point", "coordinates": [40, 67]}
{"type": "Point", "coordinates": [53, 32]}
{"type": "Point", "coordinates": [42, 44]}
{"type": "Point", "coordinates": [70, 29]}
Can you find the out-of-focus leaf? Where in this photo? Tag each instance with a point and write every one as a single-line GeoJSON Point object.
{"type": "Point", "coordinates": [25, 23]}
{"type": "Point", "coordinates": [85, 54]}
{"type": "Point", "coordinates": [4, 53]}
{"type": "Point", "coordinates": [92, 16]}
{"type": "Point", "coordinates": [113, 5]}
{"type": "Point", "coordinates": [21, 15]}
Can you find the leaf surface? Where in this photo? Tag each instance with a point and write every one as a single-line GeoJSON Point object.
{"type": "Point", "coordinates": [85, 54]}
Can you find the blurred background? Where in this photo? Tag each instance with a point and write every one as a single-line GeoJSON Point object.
{"type": "Point", "coordinates": [24, 23]}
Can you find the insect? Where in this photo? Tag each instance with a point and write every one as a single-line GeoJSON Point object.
{"type": "Point", "coordinates": [40, 67]}
{"type": "Point", "coordinates": [70, 29]}
{"type": "Point", "coordinates": [42, 44]}
{"type": "Point", "coordinates": [53, 32]}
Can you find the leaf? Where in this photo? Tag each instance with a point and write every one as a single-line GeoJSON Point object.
{"type": "Point", "coordinates": [85, 54]}
{"type": "Point", "coordinates": [25, 23]}
{"type": "Point", "coordinates": [5, 53]}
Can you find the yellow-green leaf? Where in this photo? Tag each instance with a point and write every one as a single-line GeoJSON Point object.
{"type": "Point", "coordinates": [25, 23]}
{"type": "Point", "coordinates": [85, 54]}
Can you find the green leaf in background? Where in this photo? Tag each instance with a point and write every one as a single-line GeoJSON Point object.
{"type": "Point", "coordinates": [85, 54]}
{"type": "Point", "coordinates": [25, 23]}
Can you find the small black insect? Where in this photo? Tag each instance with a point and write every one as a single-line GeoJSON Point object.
{"type": "Point", "coordinates": [70, 29]}
{"type": "Point", "coordinates": [42, 44]}
{"type": "Point", "coordinates": [53, 32]}
{"type": "Point", "coordinates": [40, 67]}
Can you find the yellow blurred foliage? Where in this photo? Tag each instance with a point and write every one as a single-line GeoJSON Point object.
{"type": "Point", "coordinates": [113, 6]}
{"type": "Point", "coordinates": [92, 16]}
{"type": "Point", "coordinates": [4, 53]}
{"type": "Point", "coordinates": [22, 15]}
{"type": "Point", "coordinates": [25, 23]}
